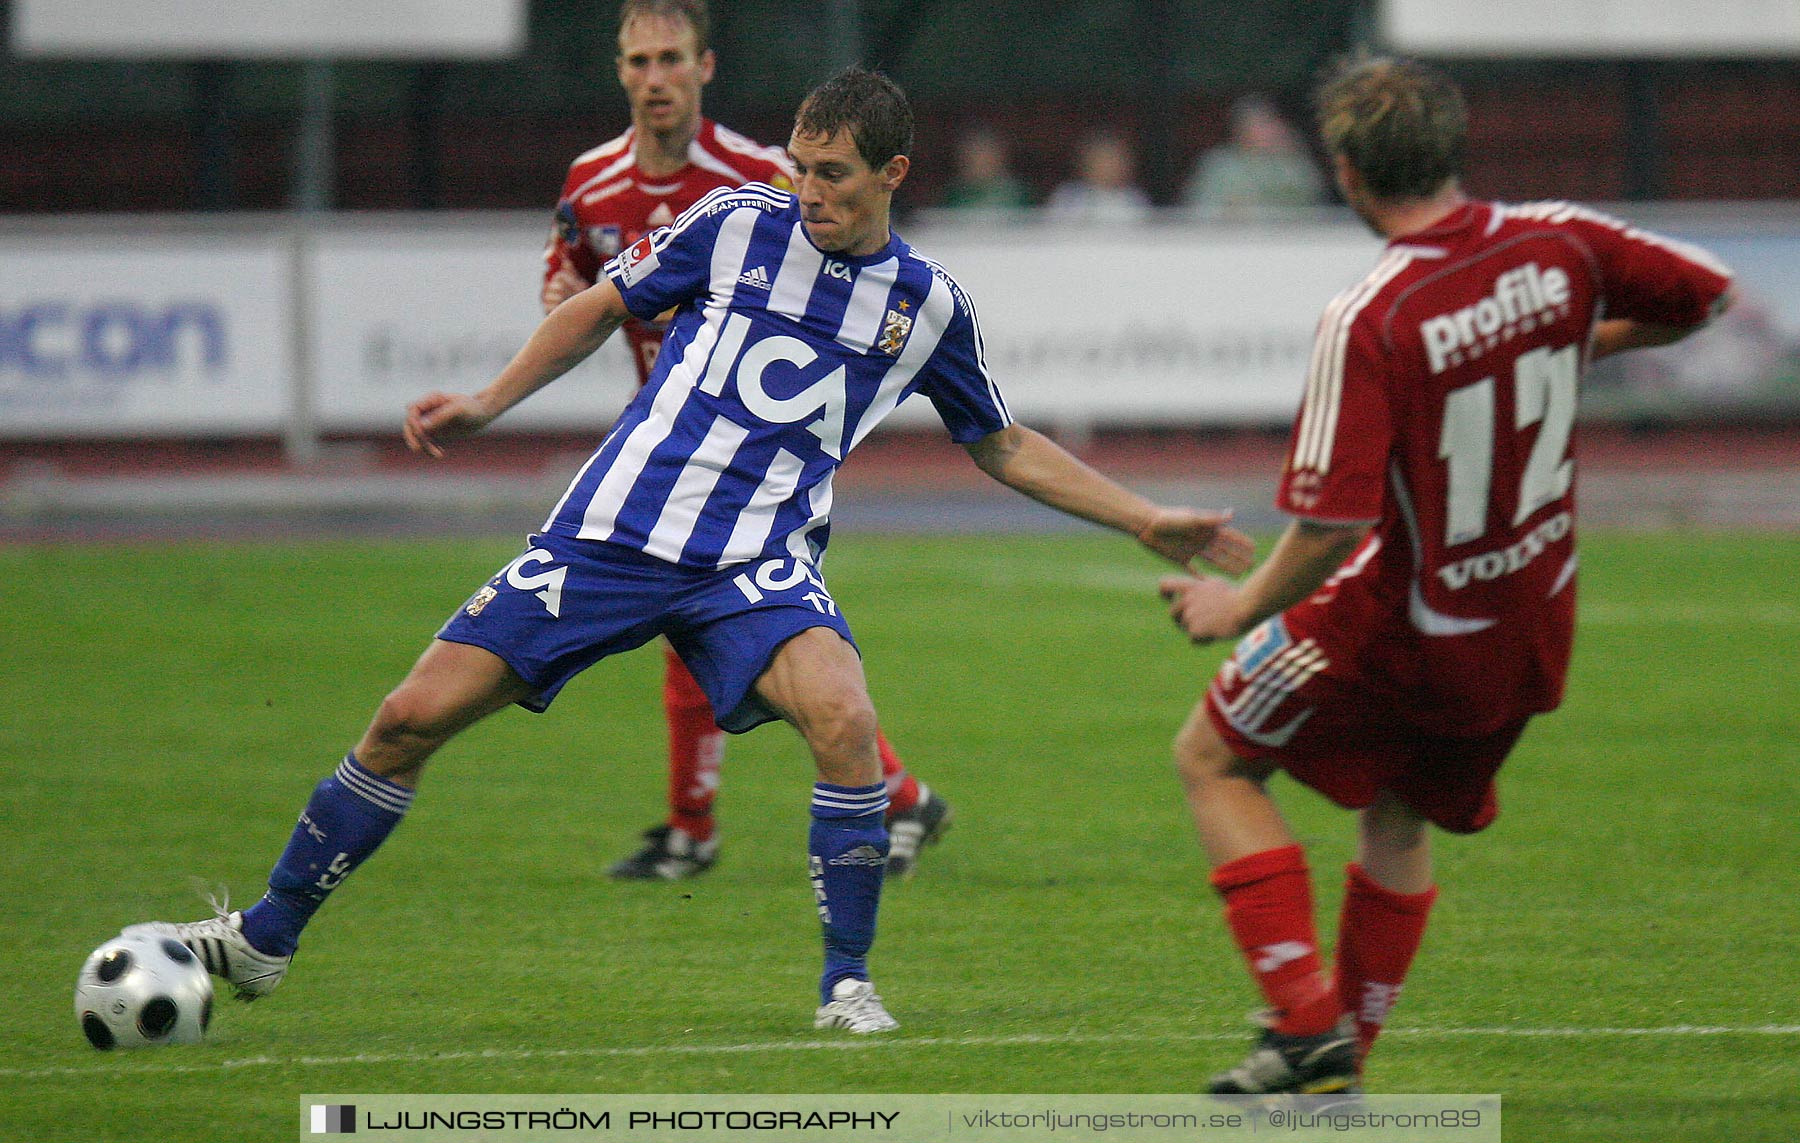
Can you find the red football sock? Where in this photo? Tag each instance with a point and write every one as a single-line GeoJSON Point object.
{"type": "Point", "coordinates": [1377, 939]}
{"type": "Point", "coordinates": [902, 787]}
{"type": "Point", "coordinates": [696, 746]}
{"type": "Point", "coordinates": [1268, 905]}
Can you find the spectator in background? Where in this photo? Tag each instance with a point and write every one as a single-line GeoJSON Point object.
{"type": "Point", "coordinates": [984, 179]}
{"type": "Point", "coordinates": [1260, 172]}
{"type": "Point", "coordinates": [1104, 188]}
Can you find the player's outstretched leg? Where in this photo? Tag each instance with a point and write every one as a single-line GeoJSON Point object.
{"type": "Point", "coordinates": [351, 812]}
{"type": "Point", "coordinates": [917, 815]}
{"type": "Point", "coordinates": [686, 845]}
{"type": "Point", "coordinates": [816, 683]}
{"type": "Point", "coordinates": [1262, 877]}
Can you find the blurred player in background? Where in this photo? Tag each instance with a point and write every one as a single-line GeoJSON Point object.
{"type": "Point", "coordinates": [703, 515]}
{"type": "Point", "coordinates": [1420, 608]}
{"type": "Point", "coordinates": [669, 159]}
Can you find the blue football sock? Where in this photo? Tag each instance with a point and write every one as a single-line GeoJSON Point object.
{"type": "Point", "coordinates": [848, 845]}
{"type": "Point", "coordinates": [349, 815]}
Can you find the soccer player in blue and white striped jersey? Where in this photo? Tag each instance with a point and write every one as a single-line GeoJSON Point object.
{"type": "Point", "coordinates": [801, 321]}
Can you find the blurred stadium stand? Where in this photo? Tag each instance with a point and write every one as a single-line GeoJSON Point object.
{"type": "Point", "coordinates": [217, 135]}
{"type": "Point", "coordinates": [91, 142]}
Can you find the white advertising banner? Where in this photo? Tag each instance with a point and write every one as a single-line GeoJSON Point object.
{"type": "Point", "coordinates": [279, 29]}
{"type": "Point", "coordinates": [1128, 328]}
{"type": "Point", "coordinates": [107, 332]}
{"type": "Point", "coordinates": [1152, 326]}
{"type": "Point", "coordinates": [110, 337]}
{"type": "Point", "coordinates": [402, 310]}
{"type": "Point", "coordinates": [1652, 29]}
{"type": "Point", "coordinates": [114, 334]}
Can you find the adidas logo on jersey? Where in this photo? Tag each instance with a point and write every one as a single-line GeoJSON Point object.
{"type": "Point", "coordinates": [1522, 298]}
{"type": "Point", "coordinates": [758, 277]}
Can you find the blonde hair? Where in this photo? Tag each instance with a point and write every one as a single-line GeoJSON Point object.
{"type": "Point", "coordinates": [693, 11]}
{"type": "Point", "coordinates": [1402, 125]}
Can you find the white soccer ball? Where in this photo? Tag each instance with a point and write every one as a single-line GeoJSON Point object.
{"type": "Point", "coordinates": [138, 991]}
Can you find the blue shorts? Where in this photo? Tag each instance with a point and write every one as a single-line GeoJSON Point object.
{"type": "Point", "coordinates": [566, 604]}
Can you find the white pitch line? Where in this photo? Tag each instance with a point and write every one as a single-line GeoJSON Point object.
{"type": "Point", "coordinates": [1021, 1040]}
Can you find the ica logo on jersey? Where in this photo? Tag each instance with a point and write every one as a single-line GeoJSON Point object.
{"type": "Point", "coordinates": [1521, 299]}
{"type": "Point", "coordinates": [776, 575]}
{"type": "Point", "coordinates": [822, 401]}
{"type": "Point", "coordinates": [551, 579]}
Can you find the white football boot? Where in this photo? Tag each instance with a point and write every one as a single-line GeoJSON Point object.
{"type": "Point", "coordinates": [220, 944]}
{"type": "Point", "coordinates": [854, 1006]}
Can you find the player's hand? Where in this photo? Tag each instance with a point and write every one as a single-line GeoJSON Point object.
{"type": "Point", "coordinates": [561, 286]}
{"type": "Point", "coordinates": [1203, 606]}
{"type": "Point", "coordinates": [1182, 535]}
{"type": "Point", "coordinates": [443, 417]}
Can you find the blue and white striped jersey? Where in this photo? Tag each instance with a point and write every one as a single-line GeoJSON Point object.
{"type": "Point", "coordinates": [779, 361]}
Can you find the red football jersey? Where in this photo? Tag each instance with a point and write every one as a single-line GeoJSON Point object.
{"type": "Point", "coordinates": [607, 204]}
{"type": "Point", "coordinates": [1440, 406]}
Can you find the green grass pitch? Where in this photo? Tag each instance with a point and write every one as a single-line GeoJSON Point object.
{"type": "Point", "coordinates": [1616, 956]}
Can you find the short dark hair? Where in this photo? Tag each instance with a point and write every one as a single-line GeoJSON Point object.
{"type": "Point", "coordinates": [865, 103]}
{"type": "Point", "coordinates": [693, 11]}
{"type": "Point", "coordinates": [1401, 124]}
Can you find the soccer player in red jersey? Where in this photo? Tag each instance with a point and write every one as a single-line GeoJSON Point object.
{"type": "Point", "coordinates": [1420, 607]}
{"type": "Point", "coordinates": [670, 158]}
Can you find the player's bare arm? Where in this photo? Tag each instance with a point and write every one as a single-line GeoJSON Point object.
{"type": "Point", "coordinates": [1307, 554]}
{"type": "Point", "coordinates": [1028, 462]}
{"type": "Point", "coordinates": [571, 332]}
{"type": "Point", "coordinates": [1616, 335]}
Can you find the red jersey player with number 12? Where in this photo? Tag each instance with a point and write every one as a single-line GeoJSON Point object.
{"type": "Point", "coordinates": [1420, 609]}
{"type": "Point", "coordinates": [669, 159]}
